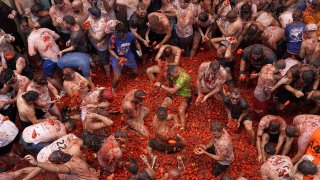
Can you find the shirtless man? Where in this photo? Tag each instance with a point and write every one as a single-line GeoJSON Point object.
{"type": "Point", "coordinates": [307, 51]}
{"type": "Point", "coordinates": [166, 140]}
{"type": "Point", "coordinates": [276, 166]}
{"type": "Point", "coordinates": [38, 136]}
{"type": "Point", "coordinates": [80, 13]}
{"type": "Point", "coordinates": [247, 10]}
{"type": "Point", "coordinates": [210, 81]}
{"type": "Point", "coordinates": [10, 79]}
{"type": "Point", "coordinates": [181, 88]}
{"type": "Point", "coordinates": [110, 154]}
{"type": "Point", "coordinates": [250, 35]}
{"type": "Point", "coordinates": [167, 55]}
{"type": "Point", "coordinates": [266, 19]}
{"type": "Point", "coordinates": [224, 8]}
{"type": "Point", "coordinates": [159, 29]}
{"type": "Point", "coordinates": [268, 82]}
{"type": "Point", "coordinates": [57, 12]}
{"type": "Point", "coordinates": [66, 165]}
{"type": "Point", "coordinates": [303, 126]}
{"type": "Point", "coordinates": [273, 37]}
{"type": "Point", "coordinates": [231, 25]}
{"type": "Point", "coordinates": [270, 127]}
{"type": "Point", "coordinates": [43, 87]}
{"type": "Point", "coordinates": [26, 103]}
{"type": "Point", "coordinates": [75, 83]}
{"type": "Point", "coordinates": [22, 5]}
{"type": "Point", "coordinates": [134, 112]}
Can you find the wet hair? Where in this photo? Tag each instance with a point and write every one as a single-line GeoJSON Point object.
{"type": "Point", "coordinates": [307, 167]}
{"type": "Point", "coordinates": [246, 7]}
{"type": "Point", "coordinates": [236, 92]}
{"type": "Point", "coordinates": [214, 65]}
{"type": "Point", "coordinates": [153, 20]}
{"type": "Point", "coordinates": [120, 28]}
{"type": "Point", "coordinates": [291, 131]}
{"type": "Point", "coordinates": [307, 76]}
{"type": "Point", "coordinates": [231, 15]}
{"type": "Point", "coordinates": [316, 63]}
{"type": "Point", "coordinates": [8, 48]}
{"type": "Point", "coordinates": [120, 134]}
{"type": "Point", "coordinates": [59, 156]}
{"type": "Point", "coordinates": [24, 19]}
{"type": "Point", "coordinates": [281, 64]}
{"type": "Point", "coordinates": [30, 96]}
{"type": "Point", "coordinates": [92, 141]}
{"type": "Point", "coordinates": [297, 15]}
{"type": "Point", "coordinates": [186, 1]}
{"type": "Point", "coordinates": [71, 125]}
{"type": "Point", "coordinates": [171, 69]}
{"type": "Point", "coordinates": [274, 126]}
{"type": "Point", "coordinates": [141, 6]}
{"type": "Point", "coordinates": [35, 9]}
{"type": "Point", "coordinates": [67, 73]}
{"type": "Point", "coordinates": [269, 149]}
{"type": "Point", "coordinates": [40, 80]}
{"type": "Point", "coordinates": [58, 1]}
{"type": "Point", "coordinates": [70, 20]}
{"type": "Point", "coordinates": [139, 94]}
{"type": "Point", "coordinates": [162, 113]}
{"type": "Point", "coordinates": [252, 30]}
{"type": "Point", "coordinates": [203, 17]}
{"type": "Point", "coordinates": [216, 127]}
{"type": "Point", "coordinates": [167, 51]}
{"type": "Point", "coordinates": [6, 75]}
{"type": "Point", "coordinates": [256, 50]}
{"type": "Point", "coordinates": [225, 177]}
{"type": "Point", "coordinates": [132, 166]}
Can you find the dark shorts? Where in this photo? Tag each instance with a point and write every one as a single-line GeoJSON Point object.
{"type": "Point", "coordinates": [24, 124]}
{"type": "Point", "coordinates": [77, 61]}
{"type": "Point", "coordinates": [273, 138]}
{"type": "Point", "coordinates": [33, 148]}
{"type": "Point", "coordinates": [48, 68]}
{"type": "Point", "coordinates": [247, 117]}
{"type": "Point", "coordinates": [40, 113]}
{"type": "Point", "coordinates": [218, 168]}
{"type": "Point", "coordinates": [163, 146]}
{"type": "Point", "coordinates": [154, 37]}
{"type": "Point", "coordinates": [131, 63]}
{"type": "Point", "coordinates": [104, 57]}
{"type": "Point", "coordinates": [11, 112]}
{"type": "Point", "coordinates": [187, 99]}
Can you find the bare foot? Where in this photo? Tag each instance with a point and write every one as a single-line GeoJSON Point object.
{"type": "Point", "coordinates": [181, 166]}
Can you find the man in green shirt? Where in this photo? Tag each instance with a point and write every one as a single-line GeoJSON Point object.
{"type": "Point", "coordinates": [181, 87]}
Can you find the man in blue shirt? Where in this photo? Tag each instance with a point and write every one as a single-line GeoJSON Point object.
{"type": "Point", "coordinates": [120, 45]}
{"type": "Point", "coordinates": [294, 34]}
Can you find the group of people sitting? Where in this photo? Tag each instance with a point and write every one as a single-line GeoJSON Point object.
{"type": "Point", "coordinates": [51, 53]}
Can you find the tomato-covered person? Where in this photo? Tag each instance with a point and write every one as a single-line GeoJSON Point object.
{"type": "Point", "coordinates": [276, 166]}
{"type": "Point", "coordinates": [271, 128]}
{"type": "Point", "coordinates": [237, 108]}
{"type": "Point", "coordinates": [306, 169]}
{"type": "Point", "coordinates": [75, 83]}
{"type": "Point", "coordinates": [294, 34]}
{"type": "Point", "coordinates": [166, 139]}
{"type": "Point", "coordinates": [267, 19]}
{"type": "Point", "coordinates": [231, 25]}
{"type": "Point", "coordinates": [219, 148]}
{"type": "Point", "coordinates": [134, 112]}
{"type": "Point", "coordinates": [273, 37]}
{"type": "Point", "coordinates": [57, 11]}
{"type": "Point", "coordinates": [120, 48]}
{"type": "Point", "coordinates": [313, 148]}
{"type": "Point", "coordinates": [26, 103]}
{"type": "Point", "coordinates": [308, 46]}
{"type": "Point", "coordinates": [303, 126]}
{"type": "Point", "coordinates": [79, 10]}
{"type": "Point", "coordinates": [159, 29]}
{"type": "Point", "coordinates": [43, 41]}
{"type": "Point", "coordinates": [9, 132]}
{"type": "Point", "coordinates": [268, 82]}
{"type": "Point", "coordinates": [247, 10]}
{"type": "Point", "coordinates": [133, 167]}
{"type": "Point", "coordinates": [253, 59]}
{"type": "Point", "coordinates": [15, 61]}
{"type": "Point", "coordinates": [110, 153]}
{"type": "Point", "coordinates": [66, 165]}
{"type": "Point", "coordinates": [167, 55]}
{"type": "Point", "coordinates": [44, 87]}
{"type": "Point", "coordinates": [203, 32]}
{"type": "Point", "coordinates": [37, 136]}
{"type": "Point", "coordinates": [210, 81]}
{"type": "Point", "coordinates": [179, 85]}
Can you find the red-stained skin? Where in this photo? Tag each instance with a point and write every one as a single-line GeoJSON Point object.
{"type": "Point", "coordinates": [198, 123]}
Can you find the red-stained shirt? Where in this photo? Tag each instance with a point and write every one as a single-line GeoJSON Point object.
{"type": "Point", "coordinates": [277, 167]}
{"type": "Point", "coordinates": [223, 146]}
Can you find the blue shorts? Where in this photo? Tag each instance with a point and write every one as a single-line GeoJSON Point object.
{"type": "Point", "coordinates": [77, 61]}
{"type": "Point", "coordinates": [131, 63]}
{"type": "Point", "coordinates": [33, 148]}
{"type": "Point", "coordinates": [48, 68]}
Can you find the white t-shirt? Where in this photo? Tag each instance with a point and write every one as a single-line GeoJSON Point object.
{"type": "Point", "coordinates": [43, 41]}
{"type": "Point", "coordinates": [46, 131]}
{"type": "Point", "coordinates": [8, 131]}
{"type": "Point", "coordinates": [60, 144]}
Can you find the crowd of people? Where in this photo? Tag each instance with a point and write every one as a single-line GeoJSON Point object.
{"type": "Point", "coordinates": [47, 54]}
